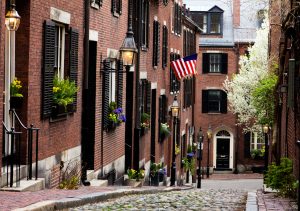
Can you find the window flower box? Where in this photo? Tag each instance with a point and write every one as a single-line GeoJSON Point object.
{"type": "Point", "coordinates": [16, 98]}
{"type": "Point", "coordinates": [16, 102]}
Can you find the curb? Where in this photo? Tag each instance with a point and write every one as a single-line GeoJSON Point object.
{"type": "Point", "coordinates": [251, 204]}
{"type": "Point", "coordinates": [80, 200]}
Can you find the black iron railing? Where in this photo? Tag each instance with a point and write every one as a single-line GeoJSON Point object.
{"type": "Point", "coordinates": [12, 151]}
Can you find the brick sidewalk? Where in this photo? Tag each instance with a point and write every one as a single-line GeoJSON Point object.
{"type": "Point", "coordinates": [268, 201]}
{"type": "Point", "coordinates": [235, 176]}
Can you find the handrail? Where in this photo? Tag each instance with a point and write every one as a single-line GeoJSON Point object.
{"type": "Point", "coordinates": [16, 115]}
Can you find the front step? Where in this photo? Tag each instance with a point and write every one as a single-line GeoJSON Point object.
{"type": "Point", "coordinates": [5, 174]}
{"type": "Point", "coordinates": [99, 183]}
{"type": "Point", "coordinates": [90, 175]}
{"type": "Point", "coordinates": [27, 185]}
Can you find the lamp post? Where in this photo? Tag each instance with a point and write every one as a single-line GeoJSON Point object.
{"type": "Point", "coordinates": [175, 112]}
{"type": "Point", "coordinates": [266, 131]}
{"type": "Point", "coordinates": [200, 147]}
{"type": "Point", "coordinates": [209, 135]}
{"type": "Point", "coordinates": [12, 19]}
{"type": "Point", "coordinates": [128, 49]}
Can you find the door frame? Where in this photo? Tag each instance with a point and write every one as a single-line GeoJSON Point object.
{"type": "Point", "coordinates": [231, 148]}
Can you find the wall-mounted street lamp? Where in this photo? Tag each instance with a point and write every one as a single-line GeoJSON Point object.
{"type": "Point", "coordinates": [128, 49]}
{"type": "Point", "coordinates": [209, 135]}
{"type": "Point", "coordinates": [175, 112]}
{"type": "Point", "coordinates": [12, 19]}
{"type": "Point", "coordinates": [266, 131]}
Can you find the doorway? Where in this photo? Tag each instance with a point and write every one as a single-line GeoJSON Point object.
{"type": "Point", "coordinates": [223, 153]}
{"type": "Point", "coordinates": [88, 112]}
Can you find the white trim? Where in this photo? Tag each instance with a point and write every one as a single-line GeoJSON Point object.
{"type": "Point", "coordinates": [60, 16]}
{"type": "Point", "coordinates": [182, 132]}
{"type": "Point", "coordinates": [154, 85]}
{"type": "Point", "coordinates": [186, 121]}
{"type": "Point", "coordinates": [231, 148]}
{"type": "Point", "coordinates": [155, 18]}
{"type": "Point", "coordinates": [171, 50]}
{"type": "Point", "coordinates": [143, 75]}
{"type": "Point", "coordinates": [112, 53]}
{"type": "Point", "coordinates": [165, 23]}
{"type": "Point", "coordinates": [93, 35]}
{"type": "Point", "coordinates": [213, 51]}
{"type": "Point", "coordinates": [162, 92]}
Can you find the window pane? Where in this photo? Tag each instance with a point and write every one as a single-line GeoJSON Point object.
{"type": "Point", "coordinates": [214, 101]}
{"type": "Point", "coordinates": [215, 23]}
{"type": "Point", "coordinates": [203, 23]}
{"type": "Point", "coordinates": [215, 63]}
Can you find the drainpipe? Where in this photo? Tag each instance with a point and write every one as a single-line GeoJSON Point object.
{"type": "Point", "coordinates": [86, 43]}
{"type": "Point", "coordinates": [137, 107]}
{"type": "Point", "coordinates": [237, 53]}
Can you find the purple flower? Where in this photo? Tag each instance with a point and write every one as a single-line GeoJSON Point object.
{"type": "Point", "coordinates": [122, 118]}
{"type": "Point", "coordinates": [120, 110]}
{"type": "Point", "coordinates": [191, 154]}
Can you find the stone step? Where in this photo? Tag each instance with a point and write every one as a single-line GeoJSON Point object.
{"type": "Point", "coordinates": [223, 172]}
{"type": "Point", "coordinates": [27, 185]}
{"type": "Point", "coordinates": [99, 183]}
{"type": "Point", "coordinates": [90, 175]}
{"type": "Point", "coordinates": [6, 173]}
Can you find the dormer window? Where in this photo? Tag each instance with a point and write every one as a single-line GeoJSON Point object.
{"type": "Point", "coordinates": [211, 21]}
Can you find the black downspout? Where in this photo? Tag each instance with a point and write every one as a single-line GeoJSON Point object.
{"type": "Point", "coordinates": [86, 44]}
{"type": "Point", "coordinates": [237, 52]}
{"type": "Point", "coordinates": [136, 149]}
{"type": "Point", "coordinates": [85, 75]}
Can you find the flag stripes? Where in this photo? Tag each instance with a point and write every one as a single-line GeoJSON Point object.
{"type": "Point", "coordinates": [184, 66]}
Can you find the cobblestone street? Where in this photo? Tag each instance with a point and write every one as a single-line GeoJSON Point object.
{"type": "Point", "coordinates": [214, 195]}
{"type": "Point", "coordinates": [179, 200]}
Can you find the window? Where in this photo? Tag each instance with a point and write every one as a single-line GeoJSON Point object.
{"type": "Point", "coordinates": [112, 86]}
{"type": "Point", "coordinates": [261, 15]}
{"type": "Point", "coordinates": [165, 47]}
{"type": "Point", "coordinates": [156, 43]}
{"type": "Point", "coordinates": [189, 43]}
{"type": "Point", "coordinates": [215, 23]}
{"type": "Point", "coordinates": [252, 141]}
{"type": "Point", "coordinates": [174, 82]}
{"type": "Point", "coordinates": [96, 3]}
{"type": "Point", "coordinates": [176, 19]}
{"type": "Point", "coordinates": [60, 56]}
{"type": "Point", "coordinates": [211, 21]}
{"type": "Point", "coordinates": [165, 2]}
{"type": "Point", "coordinates": [145, 96]}
{"type": "Point", "coordinates": [215, 63]}
{"type": "Point", "coordinates": [188, 92]}
{"type": "Point", "coordinates": [116, 7]}
{"type": "Point", "coordinates": [214, 101]}
{"type": "Point", "coordinates": [59, 47]}
{"type": "Point", "coordinates": [203, 23]}
{"type": "Point", "coordinates": [162, 113]}
{"type": "Point", "coordinates": [145, 24]}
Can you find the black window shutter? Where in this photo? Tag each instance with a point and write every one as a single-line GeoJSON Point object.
{"type": "Point", "coordinates": [223, 102]}
{"type": "Point", "coordinates": [158, 42]}
{"type": "Point", "coordinates": [165, 109]}
{"type": "Point", "coordinates": [205, 101]}
{"type": "Point", "coordinates": [113, 6]}
{"type": "Point", "coordinates": [155, 43]}
{"type": "Point", "coordinates": [171, 74]}
{"type": "Point", "coordinates": [119, 83]}
{"type": "Point", "coordinates": [224, 63]}
{"type": "Point", "coordinates": [48, 68]}
{"type": "Point", "coordinates": [148, 97]}
{"type": "Point", "coordinates": [160, 119]}
{"type": "Point", "coordinates": [247, 145]}
{"type": "Point", "coordinates": [291, 83]}
{"type": "Point", "coordinates": [120, 7]}
{"type": "Point", "coordinates": [179, 19]}
{"type": "Point", "coordinates": [74, 36]}
{"type": "Point", "coordinates": [165, 47]}
{"type": "Point", "coordinates": [105, 93]}
{"type": "Point", "coordinates": [185, 93]}
{"type": "Point", "coordinates": [138, 115]}
{"type": "Point", "coordinates": [205, 63]}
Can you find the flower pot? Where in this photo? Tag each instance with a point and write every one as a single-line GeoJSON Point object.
{"type": "Point", "coordinates": [59, 110]}
{"type": "Point", "coordinates": [16, 102]}
{"type": "Point", "coordinates": [154, 181]}
{"type": "Point", "coordinates": [111, 126]}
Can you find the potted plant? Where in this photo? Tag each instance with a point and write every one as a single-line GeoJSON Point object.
{"type": "Point", "coordinates": [145, 120]}
{"type": "Point", "coordinates": [154, 177]}
{"type": "Point", "coordinates": [64, 91]}
{"type": "Point", "coordinates": [115, 116]}
{"type": "Point", "coordinates": [257, 154]}
{"type": "Point", "coordinates": [164, 130]}
{"type": "Point", "coordinates": [177, 150]}
{"type": "Point", "coordinates": [135, 177]}
{"type": "Point", "coordinates": [16, 98]}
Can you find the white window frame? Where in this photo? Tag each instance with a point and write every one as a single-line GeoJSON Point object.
{"type": "Point", "coordinates": [215, 63]}
{"type": "Point", "coordinates": [112, 81]}
{"type": "Point", "coordinates": [256, 141]}
{"type": "Point", "coordinates": [60, 37]}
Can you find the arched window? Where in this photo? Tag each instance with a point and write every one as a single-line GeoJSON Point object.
{"type": "Point", "coordinates": [223, 133]}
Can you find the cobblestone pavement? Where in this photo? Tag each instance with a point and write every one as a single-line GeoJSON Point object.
{"type": "Point", "coordinates": [194, 199]}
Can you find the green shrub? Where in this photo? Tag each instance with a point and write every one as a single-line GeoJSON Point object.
{"type": "Point", "coordinates": [281, 178]}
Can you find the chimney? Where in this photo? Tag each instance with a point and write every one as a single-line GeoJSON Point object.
{"type": "Point", "coordinates": [236, 13]}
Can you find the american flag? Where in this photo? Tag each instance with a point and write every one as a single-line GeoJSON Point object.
{"type": "Point", "coordinates": [184, 66]}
